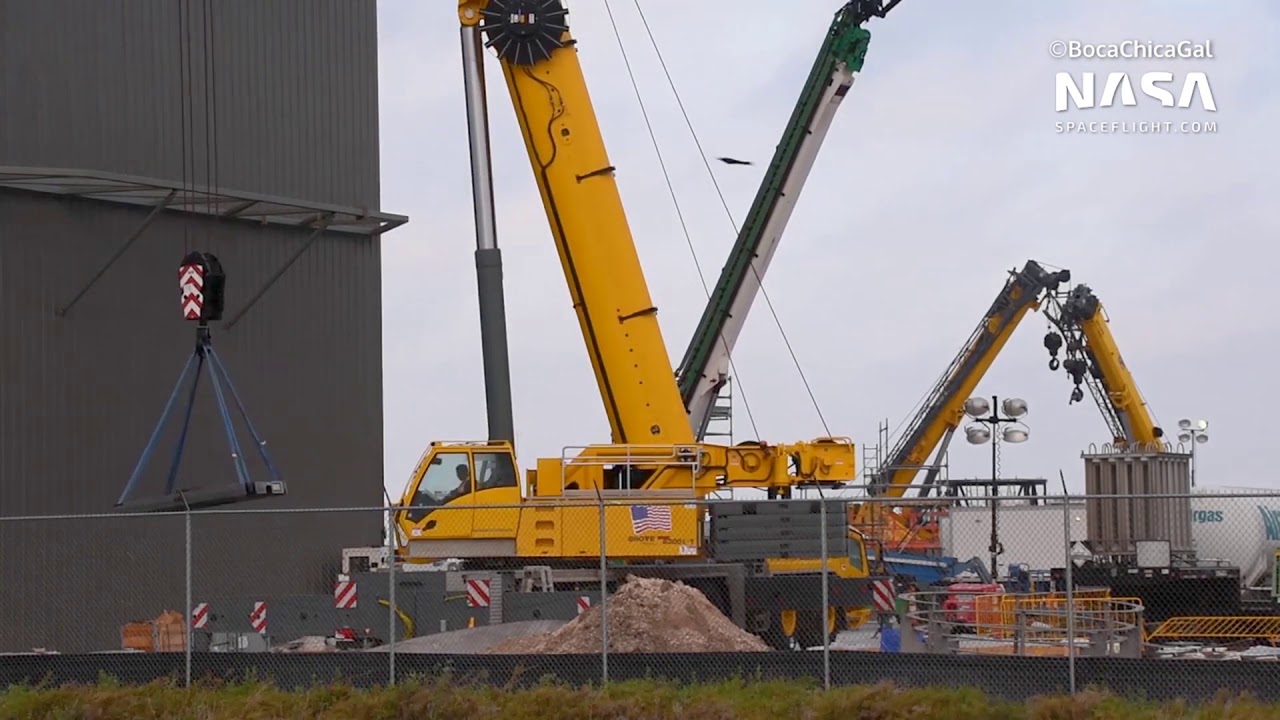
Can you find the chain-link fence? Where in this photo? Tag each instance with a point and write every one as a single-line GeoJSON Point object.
{"type": "Point", "coordinates": [1024, 595]}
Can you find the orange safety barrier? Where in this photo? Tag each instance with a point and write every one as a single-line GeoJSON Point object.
{"type": "Point", "coordinates": [1219, 628]}
{"type": "Point", "coordinates": [900, 529]}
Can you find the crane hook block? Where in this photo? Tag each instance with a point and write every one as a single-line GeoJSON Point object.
{"type": "Point", "coordinates": [201, 283]}
{"type": "Point", "coordinates": [524, 32]}
{"type": "Point", "coordinates": [1053, 343]}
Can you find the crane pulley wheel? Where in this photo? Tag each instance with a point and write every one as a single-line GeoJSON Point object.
{"type": "Point", "coordinates": [524, 32]}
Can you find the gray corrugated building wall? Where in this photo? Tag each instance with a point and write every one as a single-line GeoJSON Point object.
{"type": "Point", "coordinates": [110, 86]}
{"type": "Point", "coordinates": [283, 97]}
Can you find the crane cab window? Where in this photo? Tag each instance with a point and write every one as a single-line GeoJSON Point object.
{"type": "Point", "coordinates": [857, 553]}
{"type": "Point", "coordinates": [448, 476]}
{"type": "Point", "coordinates": [495, 470]}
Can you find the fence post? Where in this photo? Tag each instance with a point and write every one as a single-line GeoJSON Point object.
{"type": "Point", "coordinates": [392, 618]}
{"type": "Point", "coordinates": [1071, 605]}
{"type": "Point", "coordinates": [604, 598]}
{"type": "Point", "coordinates": [826, 593]}
{"type": "Point", "coordinates": [191, 635]}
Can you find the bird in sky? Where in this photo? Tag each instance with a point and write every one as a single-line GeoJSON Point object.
{"type": "Point", "coordinates": [732, 161]}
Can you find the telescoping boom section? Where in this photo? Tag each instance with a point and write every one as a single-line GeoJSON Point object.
{"type": "Point", "coordinates": [654, 454]}
{"type": "Point", "coordinates": [704, 369]}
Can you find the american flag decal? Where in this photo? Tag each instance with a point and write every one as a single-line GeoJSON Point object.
{"type": "Point", "coordinates": [650, 518]}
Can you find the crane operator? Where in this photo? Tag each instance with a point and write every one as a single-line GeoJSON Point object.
{"type": "Point", "coordinates": [464, 480]}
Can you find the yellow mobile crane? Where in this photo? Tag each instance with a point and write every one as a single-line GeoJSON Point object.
{"type": "Point", "coordinates": [448, 503]}
{"type": "Point", "coordinates": [903, 528]}
{"type": "Point", "coordinates": [1091, 357]}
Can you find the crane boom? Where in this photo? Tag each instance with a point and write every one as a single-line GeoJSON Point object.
{"type": "Point", "coordinates": [653, 446]}
{"type": "Point", "coordinates": [584, 209]}
{"type": "Point", "coordinates": [943, 410]}
{"type": "Point", "coordinates": [1093, 359]}
{"type": "Point", "coordinates": [704, 369]}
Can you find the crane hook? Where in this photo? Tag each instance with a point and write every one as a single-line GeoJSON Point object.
{"type": "Point", "coordinates": [1053, 343]}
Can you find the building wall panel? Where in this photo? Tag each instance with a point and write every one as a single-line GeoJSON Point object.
{"type": "Point", "coordinates": [99, 86]}
{"type": "Point", "coordinates": [83, 392]}
{"type": "Point", "coordinates": [276, 97]}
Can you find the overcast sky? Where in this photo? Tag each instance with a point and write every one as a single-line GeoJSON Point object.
{"type": "Point", "coordinates": [941, 172]}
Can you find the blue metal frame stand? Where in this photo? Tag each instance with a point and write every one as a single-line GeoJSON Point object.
{"type": "Point", "coordinates": [203, 355]}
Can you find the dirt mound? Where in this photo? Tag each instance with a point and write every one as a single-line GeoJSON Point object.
{"type": "Point", "coordinates": [645, 615]}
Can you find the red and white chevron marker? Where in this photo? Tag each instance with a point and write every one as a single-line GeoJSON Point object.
{"type": "Point", "coordinates": [200, 615]}
{"type": "Point", "coordinates": [584, 604]}
{"type": "Point", "coordinates": [344, 594]}
{"type": "Point", "coordinates": [191, 281]}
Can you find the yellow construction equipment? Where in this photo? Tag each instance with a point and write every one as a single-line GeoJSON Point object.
{"type": "Point", "coordinates": [1091, 357]}
{"type": "Point", "coordinates": [647, 482]}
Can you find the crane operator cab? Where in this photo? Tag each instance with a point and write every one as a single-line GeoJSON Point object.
{"type": "Point", "coordinates": [448, 484]}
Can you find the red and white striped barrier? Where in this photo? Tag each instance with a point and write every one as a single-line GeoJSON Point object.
{"type": "Point", "coordinates": [345, 595]}
{"type": "Point", "coordinates": [258, 618]}
{"type": "Point", "coordinates": [478, 593]}
{"type": "Point", "coordinates": [882, 595]}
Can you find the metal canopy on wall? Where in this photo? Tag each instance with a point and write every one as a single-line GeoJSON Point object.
{"type": "Point", "coordinates": [220, 202]}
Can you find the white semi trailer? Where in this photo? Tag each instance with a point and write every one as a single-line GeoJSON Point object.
{"type": "Point", "coordinates": [1238, 527]}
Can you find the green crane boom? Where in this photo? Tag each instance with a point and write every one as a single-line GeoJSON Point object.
{"type": "Point", "coordinates": [704, 371]}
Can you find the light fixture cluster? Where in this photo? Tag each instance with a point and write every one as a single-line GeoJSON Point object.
{"type": "Point", "coordinates": [979, 432]}
{"type": "Point", "coordinates": [1193, 432]}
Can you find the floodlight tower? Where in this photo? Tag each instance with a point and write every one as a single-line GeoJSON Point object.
{"type": "Point", "coordinates": [1196, 433]}
{"type": "Point", "coordinates": [1014, 431]}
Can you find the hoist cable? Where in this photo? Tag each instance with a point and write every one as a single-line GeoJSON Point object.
{"type": "Point", "coordinates": [724, 203]}
{"type": "Point", "coordinates": [213, 74]}
{"type": "Point", "coordinates": [206, 43]}
{"type": "Point", "coordinates": [676, 202]}
{"type": "Point", "coordinates": [184, 98]}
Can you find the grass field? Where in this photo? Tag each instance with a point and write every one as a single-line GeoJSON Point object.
{"type": "Point", "coordinates": [629, 701]}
